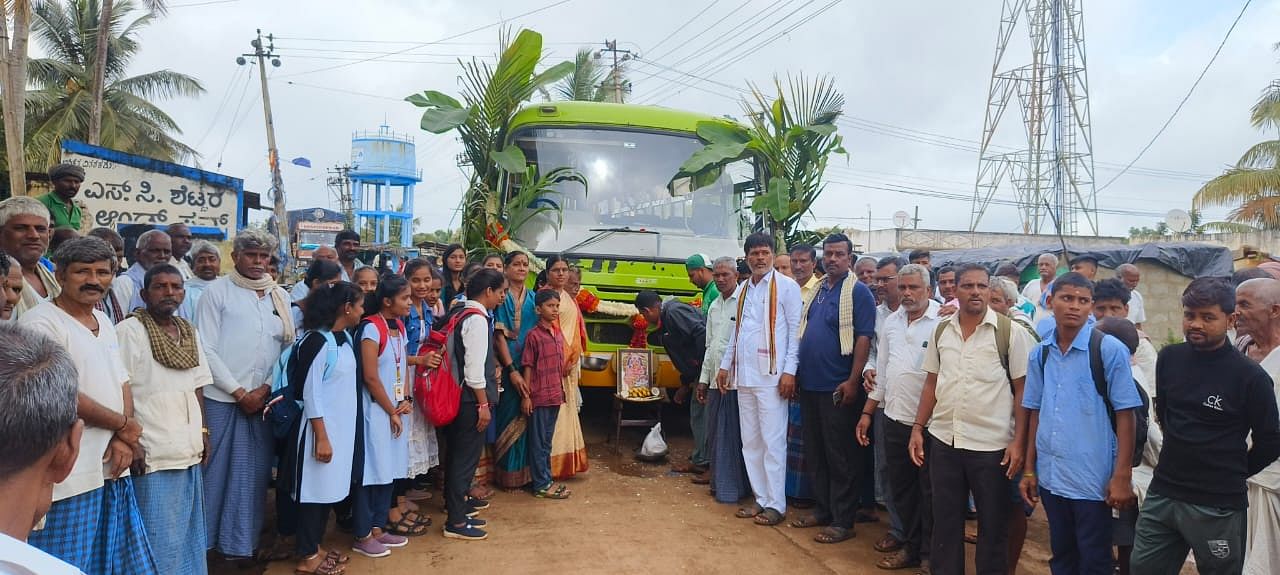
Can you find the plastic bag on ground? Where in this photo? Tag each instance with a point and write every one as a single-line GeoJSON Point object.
{"type": "Point", "coordinates": [654, 445]}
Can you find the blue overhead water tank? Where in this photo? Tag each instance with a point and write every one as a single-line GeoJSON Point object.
{"type": "Point", "coordinates": [384, 170]}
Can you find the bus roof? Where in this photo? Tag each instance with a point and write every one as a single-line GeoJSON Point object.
{"type": "Point", "coordinates": [574, 113]}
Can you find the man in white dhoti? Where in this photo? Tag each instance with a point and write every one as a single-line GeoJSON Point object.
{"type": "Point", "coordinates": [761, 358]}
{"type": "Point", "coordinates": [1258, 313]}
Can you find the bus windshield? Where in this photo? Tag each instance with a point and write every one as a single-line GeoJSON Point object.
{"type": "Point", "coordinates": [634, 205]}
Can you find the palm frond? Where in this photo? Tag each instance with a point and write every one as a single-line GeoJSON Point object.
{"type": "Point", "coordinates": [59, 107]}
{"type": "Point", "coordinates": [1266, 113]}
{"type": "Point", "coordinates": [1262, 156]}
{"type": "Point", "coordinates": [583, 84]}
{"type": "Point", "coordinates": [161, 84]}
{"type": "Point", "coordinates": [1237, 186]}
{"type": "Point", "coordinates": [1263, 212]}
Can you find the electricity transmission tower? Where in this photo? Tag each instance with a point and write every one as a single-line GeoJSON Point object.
{"type": "Point", "coordinates": [1050, 172]}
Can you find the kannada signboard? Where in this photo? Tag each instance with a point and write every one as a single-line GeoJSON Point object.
{"type": "Point", "coordinates": [121, 189]}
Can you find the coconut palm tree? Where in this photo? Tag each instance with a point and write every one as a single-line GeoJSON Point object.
{"type": "Point", "coordinates": [99, 73]}
{"type": "Point", "coordinates": [583, 83]}
{"type": "Point", "coordinates": [1252, 186]}
{"type": "Point", "coordinates": [61, 102]}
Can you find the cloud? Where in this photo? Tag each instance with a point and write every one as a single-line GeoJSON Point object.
{"type": "Point", "coordinates": [902, 65]}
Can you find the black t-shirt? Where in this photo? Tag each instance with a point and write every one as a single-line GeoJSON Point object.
{"type": "Point", "coordinates": [1207, 404]}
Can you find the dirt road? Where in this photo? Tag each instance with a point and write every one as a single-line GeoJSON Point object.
{"type": "Point", "coordinates": [627, 517]}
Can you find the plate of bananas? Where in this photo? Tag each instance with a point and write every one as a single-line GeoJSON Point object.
{"type": "Point", "coordinates": [645, 393]}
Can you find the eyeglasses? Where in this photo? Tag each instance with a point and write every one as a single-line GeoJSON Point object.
{"type": "Point", "coordinates": [884, 280]}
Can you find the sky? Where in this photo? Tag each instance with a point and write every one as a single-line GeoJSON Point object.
{"type": "Point", "coordinates": [915, 76]}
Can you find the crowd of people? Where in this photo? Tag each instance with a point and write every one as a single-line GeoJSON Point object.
{"type": "Point", "coordinates": [841, 386]}
{"type": "Point", "coordinates": [941, 394]}
{"type": "Point", "coordinates": [175, 383]}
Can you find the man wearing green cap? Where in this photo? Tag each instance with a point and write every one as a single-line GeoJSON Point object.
{"type": "Point", "coordinates": [64, 209]}
{"type": "Point", "coordinates": [699, 268]}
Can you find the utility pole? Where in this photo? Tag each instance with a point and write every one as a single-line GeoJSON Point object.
{"type": "Point", "coordinates": [273, 156]}
{"type": "Point", "coordinates": [615, 74]}
{"type": "Point", "coordinates": [915, 220]}
{"type": "Point", "coordinates": [339, 182]}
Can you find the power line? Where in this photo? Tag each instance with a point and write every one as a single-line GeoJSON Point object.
{"type": "Point", "coordinates": [746, 25]}
{"type": "Point", "coordinates": [222, 104]}
{"type": "Point", "coordinates": [759, 46]}
{"type": "Point", "coordinates": [236, 119]}
{"type": "Point", "coordinates": [683, 26]}
{"type": "Point", "coordinates": [705, 50]}
{"type": "Point", "coordinates": [458, 35]}
{"type": "Point", "coordinates": [414, 42]}
{"type": "Point", "coordinates": [1184, 98]}
{"type": "Point", "coordinates": [900, 132]}
{"type": "Point", "coordinates": [380, 60]}
{"type": "Point", "coordinates": [707, 29]}
{"type": "Point", "coordinates": [343, 91]}
{"type": "Point", "coordinates": [967, 197]}
{"type": "Point", "coordinates": [788, 30]}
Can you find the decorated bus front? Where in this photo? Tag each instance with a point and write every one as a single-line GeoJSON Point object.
{"type": "Point", "coordinates": [637, 219]}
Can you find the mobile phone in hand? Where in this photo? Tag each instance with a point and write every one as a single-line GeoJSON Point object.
{"type": "Point", "coordinates": [837, 397]}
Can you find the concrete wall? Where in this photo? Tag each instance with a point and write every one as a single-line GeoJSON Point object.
{"type": "Point", "coordinates": [1161, 290]}
{"type": "Point", "coordinates": [893, 240]}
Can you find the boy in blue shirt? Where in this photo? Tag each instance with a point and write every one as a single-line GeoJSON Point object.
{"type": "Point", "coordinates": [1078, 464]}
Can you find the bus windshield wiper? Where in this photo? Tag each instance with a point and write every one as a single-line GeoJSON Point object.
{"type": "Point", "coordinates": [601, 233]}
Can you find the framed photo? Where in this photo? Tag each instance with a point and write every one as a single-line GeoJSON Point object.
{"type": "Point", "coordinates": [635, 370]}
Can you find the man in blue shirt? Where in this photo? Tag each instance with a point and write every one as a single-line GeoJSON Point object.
{"type": "Point", "coordinates": [1077, 464]}
{"type": "Point", "coordinates": [837, 324]}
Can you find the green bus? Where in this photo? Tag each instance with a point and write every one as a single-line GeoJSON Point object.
{"type": "Point", "coordinates": [639, 219]}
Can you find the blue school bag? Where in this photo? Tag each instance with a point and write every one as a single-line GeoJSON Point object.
{"type": "Point", "coordinates": [280, 413]}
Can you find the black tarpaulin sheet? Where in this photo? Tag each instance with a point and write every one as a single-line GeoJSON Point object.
{"type": "Point", "coordinates": [1189, 259]}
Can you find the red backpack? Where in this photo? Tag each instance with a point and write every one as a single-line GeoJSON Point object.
{"type": "Point", "coordinates": [439, 390]}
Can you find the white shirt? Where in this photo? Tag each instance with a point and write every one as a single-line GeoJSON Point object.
{"type": "Point", "coordinates": [123, 288]}
{"type": "Point", "coordinates": [347, 278]}
{"type": "Point", "coordinates": [1032, 291]}
{"type": "Point", "coordinates": [182, 266]}
{"type": "Point", "coordinates": [1269, 477]}
{"type": "Point", "coordinates": [975, 402]}
{"type": "Point", "coordinates": [164, 400]}
{"type": "Point", "coordinates": [1137, 310]}
{"type": "Point", "coordinates": [19, 558]}
{"type": "Point", "coordinates": [750, 341]}
{"type": "Point", "coordinates": [242, 338]}
{"type": "Point", "coordinates": [1144, 363]}
{"type": "Point", "coordinates": [900, 362]}
{"type": "Point", "coordinates": [882, 313]}
{"type": "Point", "coordinates": [300, 291]}
{"type": "Point", "coordinates": [720, 321]}
{"type": "Point", "coordinates": [101, 377]}
{"type": "Point", "coordinates": [476, 340]}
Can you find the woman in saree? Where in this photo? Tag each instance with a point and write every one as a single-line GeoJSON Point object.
{"type": "Point", "coordinates": [568, 450]}
{"type": "Point", "coordinates": [512, 322]}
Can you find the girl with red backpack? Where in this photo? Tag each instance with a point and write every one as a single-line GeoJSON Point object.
{"type": "Point", "coordinates": [384, 372]}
